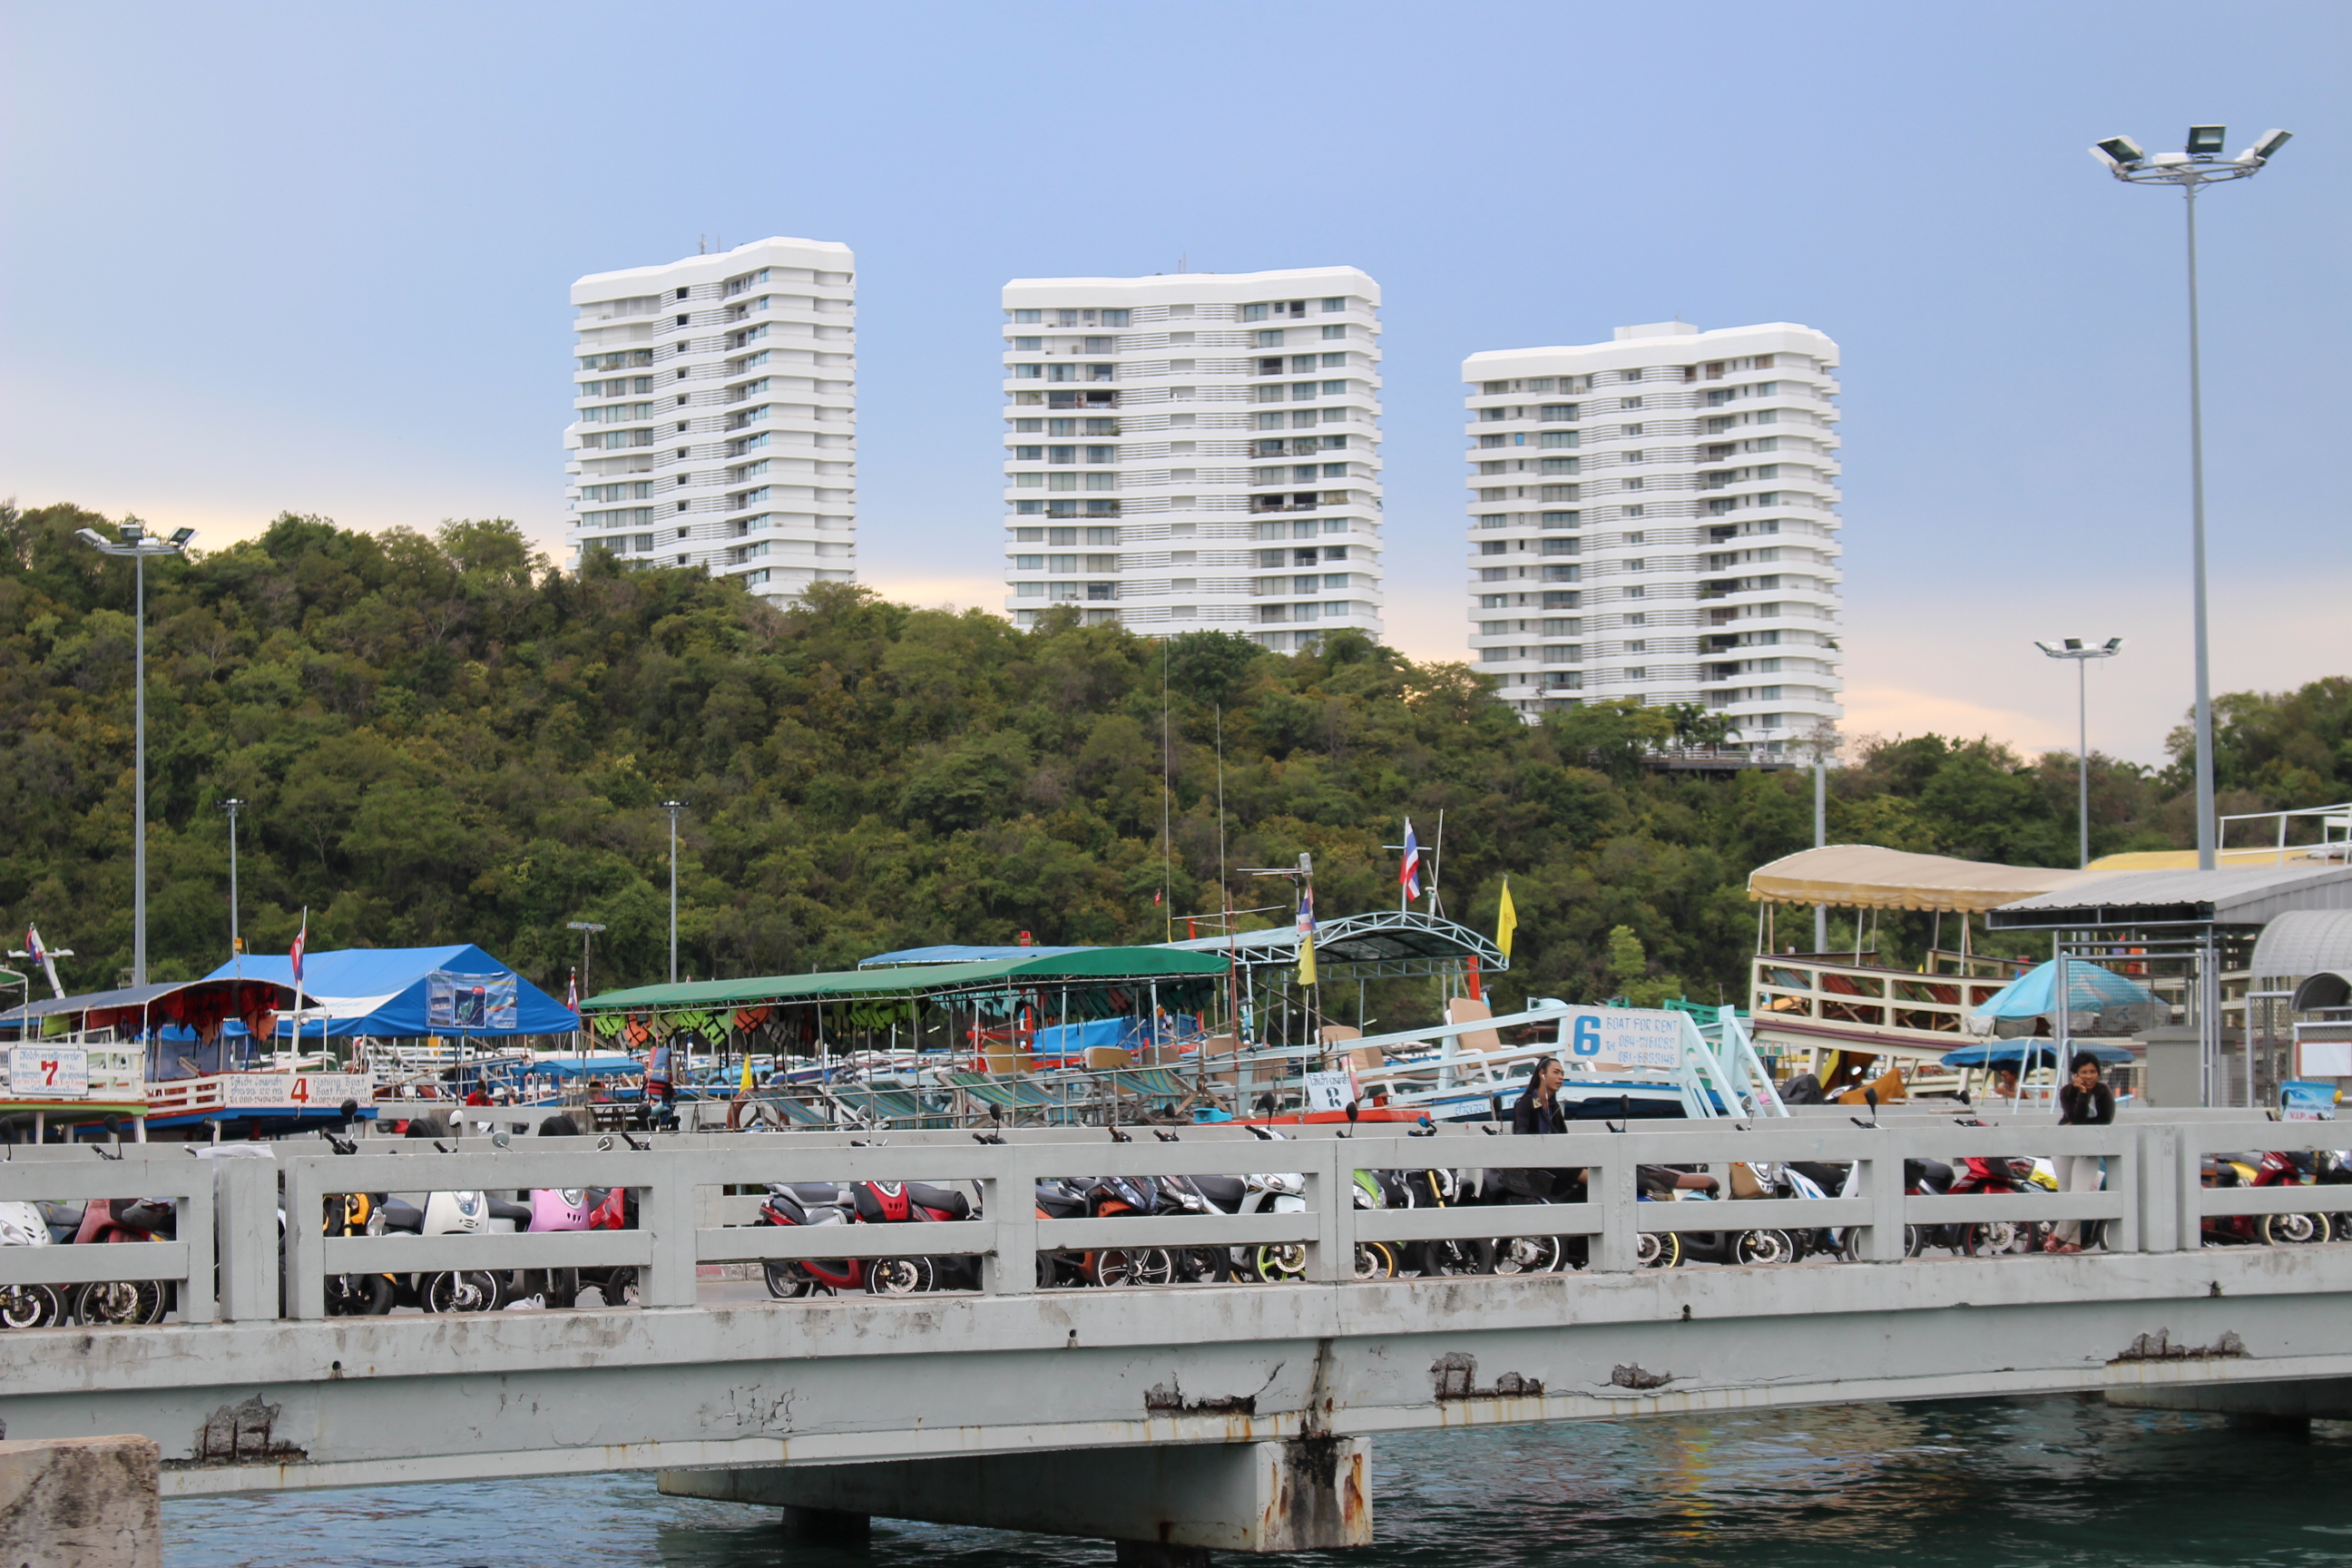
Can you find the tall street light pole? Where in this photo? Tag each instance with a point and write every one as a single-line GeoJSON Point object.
{"type": "Point", "coordinates": [672, 807]}
{"type": "Point", "coordinates": [2199, 165]}
{"type": "Point", "coordinates": [2074, 648]}
{"type": "Point", "coordinates": [135, 541]}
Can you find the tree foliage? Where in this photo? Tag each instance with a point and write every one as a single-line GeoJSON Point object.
{"type": "Point", "coordinates": [442, 738]}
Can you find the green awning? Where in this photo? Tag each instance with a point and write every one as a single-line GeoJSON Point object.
{"type": "Point", "coordinates": [1096, 966]}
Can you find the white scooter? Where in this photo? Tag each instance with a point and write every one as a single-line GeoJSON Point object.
{"type": "Point", "coordinates": [27, 1306]}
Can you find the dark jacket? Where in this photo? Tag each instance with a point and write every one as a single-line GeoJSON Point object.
{"type": "Point", "coordinates": [2075, 1108]}
{"type": "Point", "coordinates": [1533, 1115]}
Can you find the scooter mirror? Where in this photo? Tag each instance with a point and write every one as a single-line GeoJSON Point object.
{"type": "Point", "coordinates": [1870, 1098]}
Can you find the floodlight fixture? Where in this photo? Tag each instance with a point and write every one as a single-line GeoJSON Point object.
{"type": "Point", "coordinates": [2205, 141]}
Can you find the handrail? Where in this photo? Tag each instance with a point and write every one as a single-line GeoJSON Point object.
{"type": "Point", "coordinates": [2153, 1199]}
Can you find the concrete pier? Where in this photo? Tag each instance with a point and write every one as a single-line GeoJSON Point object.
{"type": "Point", "coordinates": [1167, 1504]}
{"type": "Point", "coordinates": [80, 1502]}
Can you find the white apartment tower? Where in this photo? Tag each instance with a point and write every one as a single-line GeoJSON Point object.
{"type": "Point", "coordinates": [1195, 452]}
{"type": "Point", "coordinates": [1656, 518]}
{"type": "Point", "coordinates": [715, 415]}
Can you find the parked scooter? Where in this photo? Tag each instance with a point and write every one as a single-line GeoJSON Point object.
{"type": "Point", "coordinates": [2271, 1169]}
{"type": "Point", "coordinates": [28, 1306]}
{"type": "Point", "coordinates": [801, 1204]}
{"type": "Point", "coordinates": [106, 1221]}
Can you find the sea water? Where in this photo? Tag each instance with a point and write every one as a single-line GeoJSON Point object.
{"type": "Point", "coordinates": [1980, 1484]}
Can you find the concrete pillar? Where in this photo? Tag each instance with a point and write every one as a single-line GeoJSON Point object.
{"type": "Point", "coordinates": [2254, 1406]}
{"type": "Point", "coordinates": [80, 1502]}
{"type": "Point", "coordinates": [1171, 1502]}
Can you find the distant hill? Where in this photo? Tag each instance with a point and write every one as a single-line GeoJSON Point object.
{"type": "Point", "coordinates": [441, 738]}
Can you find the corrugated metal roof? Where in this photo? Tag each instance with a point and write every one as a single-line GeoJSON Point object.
{"type": "Point", "coordinates": [2247, 895]}
{"type": "Point", "coordinates": [2304, 942]}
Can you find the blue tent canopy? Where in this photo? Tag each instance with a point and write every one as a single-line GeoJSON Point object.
{"type": "Point", "coordinates": [587, 1067]}
{"type": "Point", "coordinates": [2038, 1051]}
{"type": "Point", "coordinates": [2089, 989]}
{"type": "Point", "coordinates": [387, 992]}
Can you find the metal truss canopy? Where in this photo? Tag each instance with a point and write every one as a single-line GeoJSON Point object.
{"type": "Point", "coordinates": [1381, 944]}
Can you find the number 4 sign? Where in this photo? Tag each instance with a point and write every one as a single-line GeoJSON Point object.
{"type": "Point", "coordinates": [49, 1072]}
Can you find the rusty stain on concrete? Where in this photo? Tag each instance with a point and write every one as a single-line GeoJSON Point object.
{"type": "Point", "coordinates": [1457, 1378]}
{"type": "Point", "coordinates": [240, 1435]}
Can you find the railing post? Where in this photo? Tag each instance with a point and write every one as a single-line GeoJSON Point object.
{"type": "Point", "coordinates": [1883, 1185]}
{"type": "Point", "coordinates": [306, 1279]}
{"type": "Point", "coordinates": [245, 1227]}
{"type": "Point", "coordinates": [667, 1215]}
{"type": "Point", "coordinates": [1612, 1179]}
{"type": "Point", "coordinates": [2158, 1153]}
{"type": "Point", "coordinates": [1330, 1198]}
{"type": "Point", "coordinates": [2127, 1177]}
{"type": "Point", "coordinates": [196, 1224]}
{"type": "Point", "coordinates": [2188, 1186]}
{"type": "Point", "coordinates": [1011, 1204]}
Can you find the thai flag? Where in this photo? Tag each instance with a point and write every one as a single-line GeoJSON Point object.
{"type": "Point", "coordinates": [1305, 911]}
{"type": "Point", "coordinates": [1409, 873]}
{"type": "Point", "coordinates": [302, 939]}
{"type": "Point", "coordinates": [33, 948]}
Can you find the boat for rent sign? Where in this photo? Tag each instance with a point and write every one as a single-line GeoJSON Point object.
{"type": "Point", "coordinates": [49, 1072]}
{"type": "Point", "coordinates": [295, 1090]}
{"type": "Point", "coordinates": [1622, 1037]}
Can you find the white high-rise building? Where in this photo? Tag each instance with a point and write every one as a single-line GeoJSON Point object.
{"type": "Point", "coordinates": [1656, 518]}
{"type": "Point", "coordinates": [1195, 452]}
{"type": "Point", "coordinates": [715, 417]}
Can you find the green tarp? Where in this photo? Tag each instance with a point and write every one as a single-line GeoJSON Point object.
{"type": "Point", "coordinates": [1091, 967]}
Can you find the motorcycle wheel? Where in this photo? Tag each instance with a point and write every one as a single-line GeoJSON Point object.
{"type": "Point", "coordinates": [462, 1290]}
{"type": "Point", "coordinates": [620, 1288]}
{"type": "Point", "coordinates": [1205, 1263]}
{"type": "Point", "coordinates": [1374, 1261]}
{"type": "Point", "coordinates": [30, 1307]}
{"type": "Point", "coordinates": [1991, 1239]}
{"type": "Point", "coordinates": [1659, 1249]}
{"type": "Point", "coordinates": [894, 1276]}
{"type": "Point", "coordinates": [1763, 1247]}
{"type": "Point", "coordinates": [2339, 1225]}
{"type": "Point", "coordinates": [120, 1302]}
{"type": "Point", "coordinates": [1141, 1266]}
{"type": "Point", "coordinates": [562, 1288]}
{"type": "Point", "coordinates": [788, 1281]}
{"type": "Point", "coordinates": [1915, 1241]}
{"type": "Point", "coordinates": [2292, 1229]}
{"type": "Point", "coordinates": [1527, 1255]}
{"type": "Point", "coordinates": [1281, 1261]}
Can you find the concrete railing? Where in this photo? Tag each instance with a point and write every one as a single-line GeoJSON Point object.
{"type": "Point", "coordinates": [227, 1257]}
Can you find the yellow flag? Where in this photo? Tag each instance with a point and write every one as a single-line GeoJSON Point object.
{"type": "Point", "coordinates": [747, 1073]}
{"type": "Point", "coordinates": [1306, 958]}
{"type": "Point", "coordinates": [1506, 921]}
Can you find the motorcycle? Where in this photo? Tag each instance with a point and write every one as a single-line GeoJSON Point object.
{"type": "Point", "coordinates": [797, 1204]}
{"type": "Point", "coordinates": [106, 1221]}
{"type": "Point", "coordinates": [2270, 1169]}
{"type": "Point", "coordinates": [915, 1203]}
{"type": "Point", "coordinates": [28, 1306]}
{"type": "Point", "coordinates": [451, 1214]}
{"type": "Point", "coordinates": [1765, 1245]}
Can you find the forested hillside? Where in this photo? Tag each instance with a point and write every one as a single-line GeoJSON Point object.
{"type": "Point", "coordinates": [442, 738]}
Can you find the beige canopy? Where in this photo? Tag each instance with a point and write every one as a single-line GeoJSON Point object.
{"type": "Point", "coordinates": [1863, 876]}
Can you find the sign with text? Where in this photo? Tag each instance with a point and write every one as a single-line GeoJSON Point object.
{"type": "Point", "coordinates": [294, 1091]}
{"type": "Point", "coordinates": [1329, 1091]}
{"type": "Point", "coordinates": [49, 1072]}
{"type": "Point", "coordinates": [469, 1001]}
{"type": "Point", "coordinates": [1613, 1037]}
{"type": "Point", "coordinates": [2306, 1101]}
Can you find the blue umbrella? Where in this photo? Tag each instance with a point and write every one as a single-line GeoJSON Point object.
{"type": "Point", "coordinates": [2017, 1053]}
{"type": "Point", "coordinates": [2089, 989]}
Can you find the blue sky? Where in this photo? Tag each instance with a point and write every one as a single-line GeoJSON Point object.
{"type": "Point", "coordinates": [315, 258]}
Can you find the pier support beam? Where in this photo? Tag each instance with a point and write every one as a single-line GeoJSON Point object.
{"type": "Point", "coordinates": [1169, 1504]}
{"type": "Point", "coordinates": [2266, 1407]}
{"type": "Point", "coordinates": [80, 1502]}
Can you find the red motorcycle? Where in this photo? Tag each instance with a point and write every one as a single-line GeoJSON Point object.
{"type": "Point", "coordinates": [2272, 1169]}
{"type": "Point", "coordinates": [1995, 1175]}
{"type": "Point", "coordinates": [123, 1301]}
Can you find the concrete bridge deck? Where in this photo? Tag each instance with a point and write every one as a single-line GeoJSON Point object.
{"type": "Point", "coordinates": [246, 1396]}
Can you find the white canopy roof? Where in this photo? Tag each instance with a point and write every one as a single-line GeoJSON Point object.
{"type": "Point", "coordinates": [1863, 876]}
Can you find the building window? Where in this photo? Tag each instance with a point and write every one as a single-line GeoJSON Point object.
{"type": "Point", "coordinates": [1270, 338]}
{"type": "Point", "coordinates": [1336, 303]}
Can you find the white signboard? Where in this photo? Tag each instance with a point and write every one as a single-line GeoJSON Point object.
{"type": "Point", "coordinates": [1329, 1091]}
{"type": "Point", "coordinates": [295, 1092]}
{"type": "Point", "coordinates": [1617, 1037]}
{"type": "Point", "coordinates": [2327, 1059]}
{"type": "Point", "coordinates": [49, 1072]}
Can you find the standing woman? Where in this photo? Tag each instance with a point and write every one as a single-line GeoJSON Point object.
{"type": "Point", "coordinates": [2083, 1101]}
